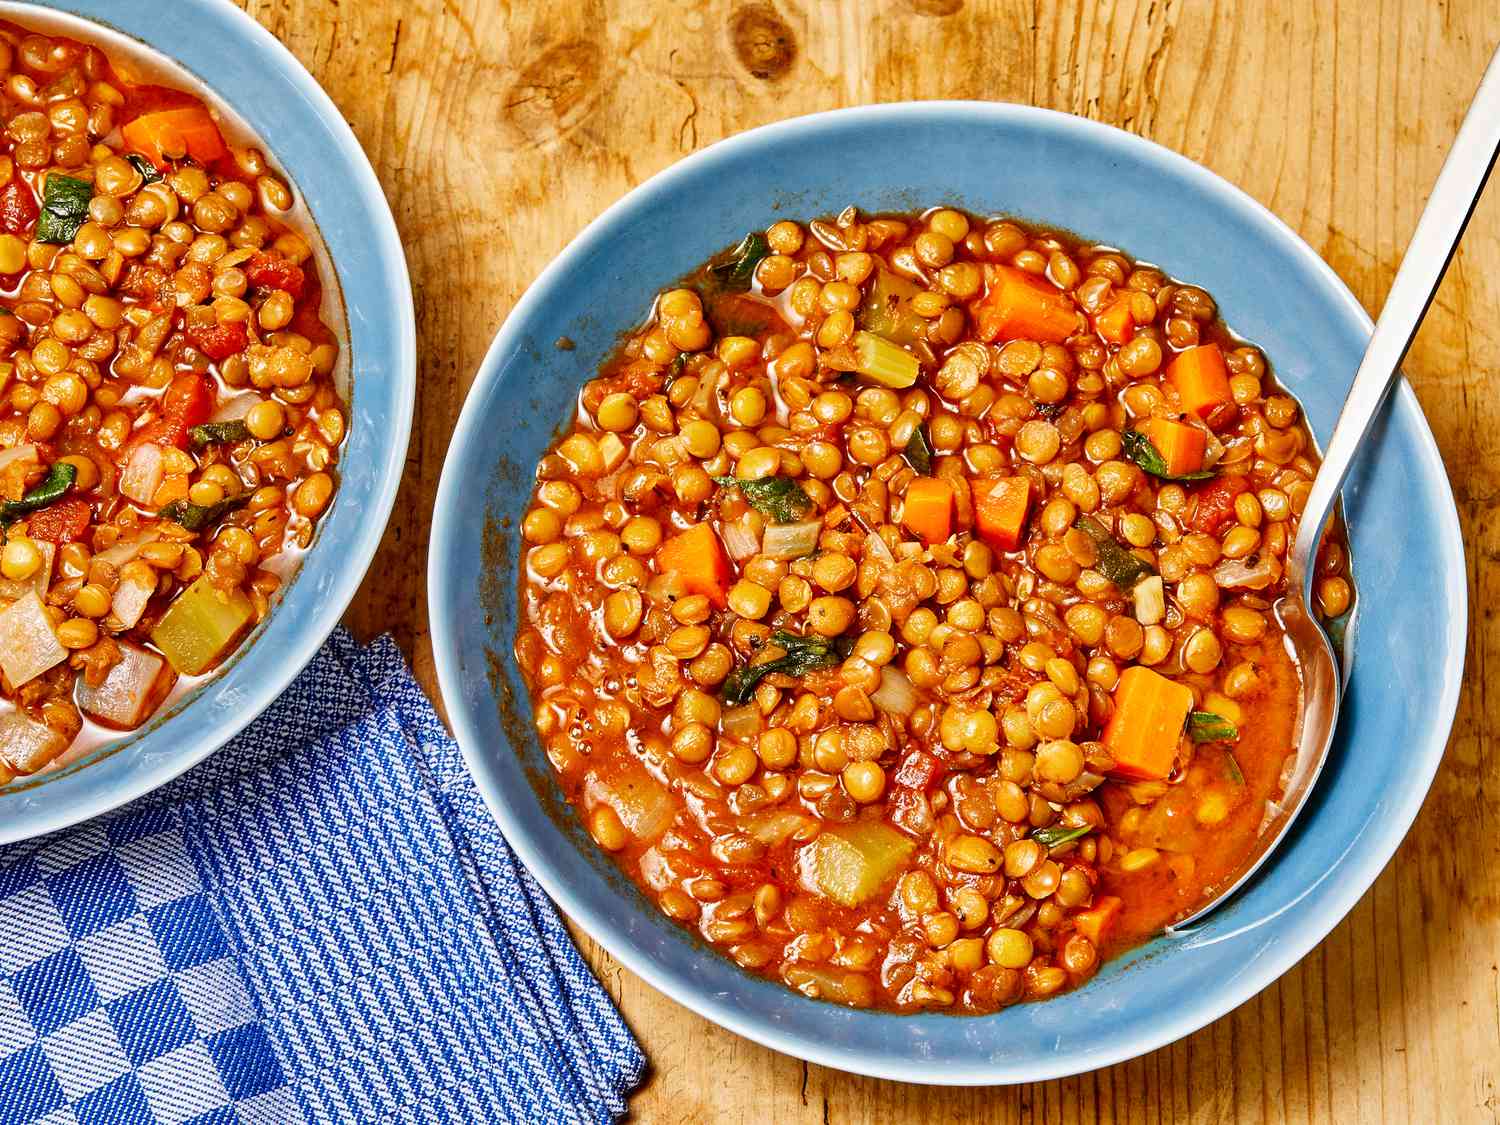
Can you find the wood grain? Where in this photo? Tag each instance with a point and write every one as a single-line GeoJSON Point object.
{"type": "Point", "coordinates": [500, 128]}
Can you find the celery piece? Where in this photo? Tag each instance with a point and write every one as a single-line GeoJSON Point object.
{"type": "Point", "coordinates": [851, 862]}
{"type": "Point", "coordinates": [886, 310]}
{"type": "Point", "coordinates": [886, 363]}
{"type": "Point", "coordinates": [201, 626]}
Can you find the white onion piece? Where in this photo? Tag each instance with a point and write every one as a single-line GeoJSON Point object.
{"type": "Point", "coordinates": [741, 722]}
{"type": "Point", "coordinates": [130, 599]}
{"type": "Point", "coordinates": [235, 408]}
{"type": "Point", "coordinates": [128, 694]}
{"type": "Point", "coordinates": [740, 538]}
{"type": "Point", "coordinates": [28, 641]}
{"type": "Point", "coordinates": [1253, 573]}
{"type": "Point", "coordinates": [895, 695]}
{"type": "Point", "coordinates": [143, 473]}
{"type": "Point", "coordinates": [19, 453]}
{"type": "Point", "coordinates": [27, 745]}
{"type": "Point", "coordinates": [776, 826]}
{"type": "Point", "coordinates": [791, 540]}
{"type": "Point", "coordinates": [126, 550]}
{"type": "Point", "coordinates": [1150, 600]}
{"type": "Point", "coordinates": [875, 547]}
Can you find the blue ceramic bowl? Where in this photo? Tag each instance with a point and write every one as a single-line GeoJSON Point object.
{"type": "Point", "coordinates": [306, 137]}
{"type": "Point", "coordinates": [1107, 185]}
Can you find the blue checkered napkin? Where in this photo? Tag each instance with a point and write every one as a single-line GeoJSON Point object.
{"type": "Point", "coordinates": [320, 924]}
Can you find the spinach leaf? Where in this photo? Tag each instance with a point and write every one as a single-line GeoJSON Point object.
{"type": "Point", "coordinates": [1055, 835]}
{"type": "Point", "coordinates": [195, 517]}
{"type": "Point", "coordinates": [918, 451]}
{"type": "Point", "coordinates": [218, 433]}
{"type": "Point", "coordinates": [735, 269]}
{"type": "Point", "coordinates": [1139, 449]}
{"type": "Point", "coordinates": [65, 208]}
{"type": "Point", "coordinates": [1122, 567]}
{"type": "Point", "coordinates": [144, 167]}
{"type": "Point", "coordinates": [781, 498]}
{"type": "Point", "coordinates": [1205, 726]}
{"type": "Point", "coordinates": [59, 479]}
{"type": "Point", "coordinates": [803, 655]}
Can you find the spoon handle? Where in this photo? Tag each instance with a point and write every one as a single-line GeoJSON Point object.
{"type": "Point", "coordinates": [1441, 225]}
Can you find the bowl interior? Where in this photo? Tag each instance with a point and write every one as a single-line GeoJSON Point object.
{"type": "Point", "coordinates": [1108, 186]}
{"type": "Point", "coordinates": [306, 137]}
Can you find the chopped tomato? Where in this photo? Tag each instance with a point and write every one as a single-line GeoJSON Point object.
{"type": "Point", "coordinates": [63, 522]}
{"type": "Point", "coordinates": [188, 402]}
{"type": "Point", "coordinates": [18, 207]}
{"type": "Point", "coordinates": [219, 341]}
{"type": "Point", "coordinates": [1216, 503]}
{"type": "Point", "coordinates": [918, 770]}
{"type": "Point", "coordinates": [272, 271]}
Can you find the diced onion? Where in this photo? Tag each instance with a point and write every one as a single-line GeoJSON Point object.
{"type": "Point", "coordinates": [741, 722]}
{"type": "Point", "coordinates": [143, 473]}
{"type": "Point", "coordinates": [127, 549]}
{"type": "Point", "coordinates": [130, 599]}
{"type": "Point", "coordinates": [741, 539]}
{"type": "Point", "coordinates": [776, 826]}
{"type": "Point", "coordinates": [28, 641]}
{"type": "Point", "coordinates": [27, 745]}
{"type": "Point", "coordinates": [792, 540]}
{"type": "Point", "coordinates": [19, 453]}
{"type": "Point", "coordinates": [1150, 600]}
{"type": "Point", "coordinates": [1253, 573]}
{"type": "Point", "coordinates": [234, 408]}
{"type": "Point", "coordinates": [895, 695]}
{"type": "Point", "coordinates": [876, 548]}
{"type": "Point", "coordinates": [129, 693]}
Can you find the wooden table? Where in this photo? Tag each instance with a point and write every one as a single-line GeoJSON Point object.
{"type": "Point", "coordinates": [500, 128]}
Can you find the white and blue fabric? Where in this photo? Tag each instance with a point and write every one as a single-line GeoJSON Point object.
{"type": "Point", "coordinates": [320, 924]}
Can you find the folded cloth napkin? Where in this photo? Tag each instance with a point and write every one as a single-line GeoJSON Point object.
{"type": "Point", "coordinates": [319, 924]}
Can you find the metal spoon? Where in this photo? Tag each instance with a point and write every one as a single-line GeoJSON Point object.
{"type": "Point", "coordinates": [1452, 201]}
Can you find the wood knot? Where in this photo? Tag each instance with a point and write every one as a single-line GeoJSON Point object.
{"type": "Point", "coordinates": [555, 92]}
{"type": "Point", "coordinates": [762, 41]}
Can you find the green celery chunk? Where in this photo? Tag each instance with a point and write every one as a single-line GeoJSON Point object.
{"type": "Point", "coordinates": [850, 863]}
{"type": "Point", "coordinates": [886, 310]}
{"type": "Point", "coordinates": [200, 627]}
{"type": "Point", "coordinates": [886, 363]}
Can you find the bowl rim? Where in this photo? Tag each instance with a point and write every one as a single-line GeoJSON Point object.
{"type": "Point", "coordinates": [1338, 899]}
{"type": "Point", "coordinates": [358, 550]}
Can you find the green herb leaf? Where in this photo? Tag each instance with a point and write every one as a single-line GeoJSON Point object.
{"type": "Point", "coordinates": [59, 479]}
{"type": "Point", "coordinates": [1232, 768]}
{"type": "Point", "coordinates": [735, 270]}
{"type": "Point", "coordinates": [65, 208]}
{"type": "Point", "coordinates": [781, 498]}
{"type": "Point", "coordinates": [195, 517]}
{"type": "Point", "coordinates": [1055, 835]}
{"type": "Point", "coordinates": [1048, 410]}
{"type": "Point", "coordinates": [1122, 567]}
{"type": "Point", "coordinates": [802, 655]}
{"type": "Point", "coordinates": [918, 451]}
{"type": "Point", "coordinates": [1205, 726]}
{"type": "Point", "coordinates": [1138, 448]}
{"type": "Point", "coordinates": [144, 167]}
{"type": "Point", "coordinates": [218, 433]}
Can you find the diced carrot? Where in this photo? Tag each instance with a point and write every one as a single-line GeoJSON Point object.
{"type": "Point", "coordinates": [1181, 446]}
{"type": "Point", "coordinates": [1114, 322]}
{"type": "Point", "coordinates": [697, 558]}
{"type": "Point", "coordinates": [1202, 382]}
{"type": "Point", "coordinates": [1000, 509]}
{"type": "Point", "coordinates": [187, 130]}
{"type": "Point", "coordinates": [1143, 733]}
{"type": "Point", "coordinates": [928, 509]}
{"type": "Point", "coordinates": [1096, 922]}
{"type": "Point", "coordinates": [1018, 305]}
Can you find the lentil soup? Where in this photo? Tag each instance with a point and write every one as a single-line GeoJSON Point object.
{"type": "Point", "coordinates": [170, 410]}
{"type": "Point", "coordinates": [897, 610]}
